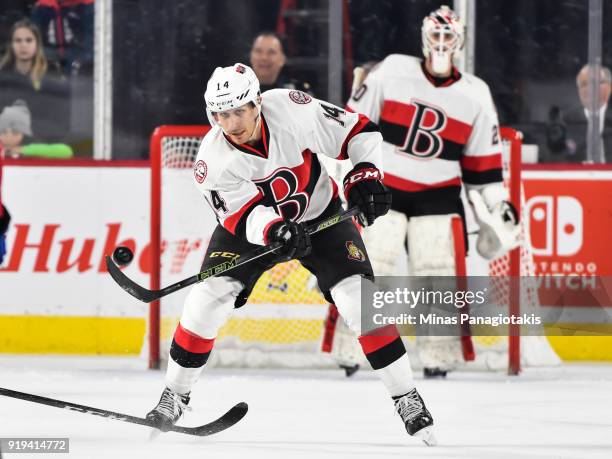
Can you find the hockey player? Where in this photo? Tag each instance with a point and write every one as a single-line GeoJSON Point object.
{"type": "Point", "coordinates": [440, 131]}
{"type": "Point", "coordinates": [258, 169]}
{"type": "Point", "coordinates": [5, 217]}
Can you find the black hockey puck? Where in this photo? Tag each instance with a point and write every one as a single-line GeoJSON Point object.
{"type": "Point", "coordinates": [123, 255]}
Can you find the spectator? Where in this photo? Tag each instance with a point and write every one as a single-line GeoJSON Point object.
{"type": "Point", "coordinates": [24, 55]}
{"type": "Point", "coordinates": [67, 29]}
{"type": "Point", "coordinates": [268, 60]}
{"type": "Point", "coordinates": [567, 131]}
{"type": "Point", "coordinates": [24, 75]}
{"type": "Point", "coordinates": [15, 125]}
{"type": "Point", "coordinates": [11, 11]}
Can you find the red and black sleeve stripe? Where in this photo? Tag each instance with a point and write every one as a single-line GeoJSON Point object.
{"type": "Point", "coordinates": [481, 170]}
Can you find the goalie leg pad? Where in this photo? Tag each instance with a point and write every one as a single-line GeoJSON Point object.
{"type": "Point", "coordinates": [442, 352]}
{"type": "Point", "coordinates": [385, 241]}
{"type": "Point", "coordinates": [431, 245]}
{"type": "Point", "coordinates": [340, 341]}
{"type": "Point", "coordinates": [436, 246]}
{"type": "Point", "coordinates": [329, 330]}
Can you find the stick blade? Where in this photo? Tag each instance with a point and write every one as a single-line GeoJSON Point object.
{"type": "Point", "coordinates": [127, 284]}
{"type": "Point", "coordinates": [235, 414]}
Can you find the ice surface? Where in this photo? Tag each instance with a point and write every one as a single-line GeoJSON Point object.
{"type": "Point", "coordinates": [564, 412]}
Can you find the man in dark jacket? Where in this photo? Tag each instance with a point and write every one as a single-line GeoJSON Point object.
{"type": "Point", "coordinates": [268, 60]}
{"type": "Point", "coordinates": [567, 131]}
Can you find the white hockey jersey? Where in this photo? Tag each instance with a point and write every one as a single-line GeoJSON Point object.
{"type": "Point", "coordinates": [250, 187]}
{"type": "Point", "coordinates": [436, 133]}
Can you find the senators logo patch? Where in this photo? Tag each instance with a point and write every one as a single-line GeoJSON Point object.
{"type": "Point", "coordinates": [354, 252]}
{"type": "Point", "coordinates": [200, 170]}
{"type": "Point", "coordinates": [299, 97]}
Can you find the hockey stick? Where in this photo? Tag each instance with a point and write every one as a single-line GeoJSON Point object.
{"type": "Point", "coordinates": [230, 418]}
{"type": "Point", "coordinates": [147, 296]}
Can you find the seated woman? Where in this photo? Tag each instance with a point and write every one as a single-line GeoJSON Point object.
{"type": "Point", "coordinates": [25, 74]}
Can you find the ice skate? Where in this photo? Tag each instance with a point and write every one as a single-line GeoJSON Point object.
{"type": "Point", "coordinates": [168, 411]}
{"type": "Point", "coordinates": [349, 370]}
{"type": "Point", "coordinates": [416, 417]}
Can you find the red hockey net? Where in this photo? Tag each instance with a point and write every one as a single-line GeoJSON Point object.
{"type": "Point", "coordinates": [284, 324]}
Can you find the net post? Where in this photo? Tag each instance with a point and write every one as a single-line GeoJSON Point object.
{"type": "Point", "coordinates": [155, 238]}
{"type": "Point", "coordinates": [156, 164]}
{"type": "Point", "coordinates": [514, 339]}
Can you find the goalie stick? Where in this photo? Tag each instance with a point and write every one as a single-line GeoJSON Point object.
{"type": "Point", "coordinates": [230, 418]}
{"type": "Point", "coordinates": [147, 296]}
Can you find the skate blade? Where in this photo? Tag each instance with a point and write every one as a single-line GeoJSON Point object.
{"type": "Point", "coordinates": [427, 436]}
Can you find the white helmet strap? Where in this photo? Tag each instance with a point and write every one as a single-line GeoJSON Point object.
{"type": "Point", "coordinates": [257, 123]}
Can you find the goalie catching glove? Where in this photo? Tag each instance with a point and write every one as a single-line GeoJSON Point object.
{"type": "Point", "coordinates": [363, 188]}
{"type": "Point", "coordinates": [293, 236]}
{"type": "Point", "coordinates": [499, 230]}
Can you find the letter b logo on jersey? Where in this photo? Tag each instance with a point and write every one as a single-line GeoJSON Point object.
{"type": "Point", "coordinates": [281, 191]}
{"type": "Point", "coordinates": [423, 139]}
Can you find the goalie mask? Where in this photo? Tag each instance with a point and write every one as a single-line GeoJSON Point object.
{"type": "Point", "coordinates": [442, 35]}
{"type": "Point", "coordinates": [229, 88]}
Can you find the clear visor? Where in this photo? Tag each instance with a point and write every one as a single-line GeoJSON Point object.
{"type": "Point", "coordinates": [211, 117]}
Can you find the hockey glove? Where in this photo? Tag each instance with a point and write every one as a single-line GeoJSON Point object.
{"type": "Point", "coordinates": [2, 247]}
{"type": "Point", "coordinates": [363, 188]}
{"type": "Point", "coordinates": [5, 218]}
{"type": "Point", "coordinates": [296, 242]}
{"type": "Point", "coordinates": [499, 226]}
